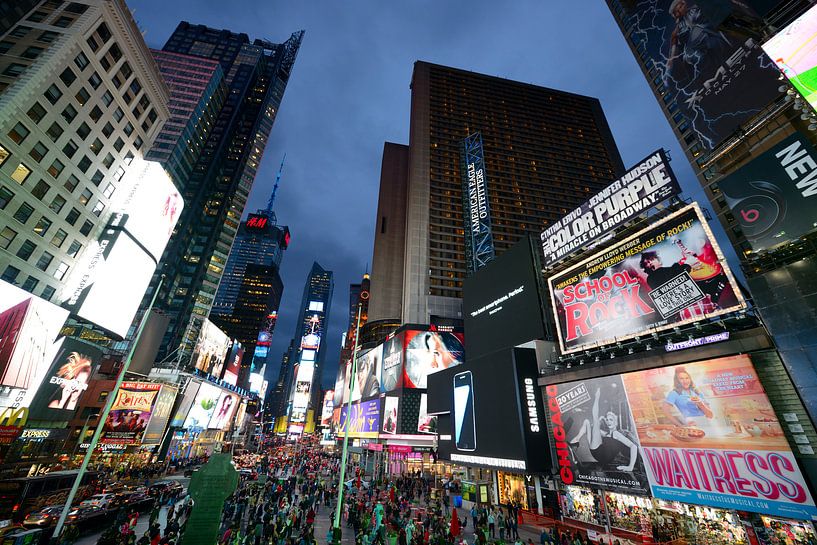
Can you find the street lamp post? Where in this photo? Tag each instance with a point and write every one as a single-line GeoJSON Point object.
{"type": "Point", "coordinates": [102, 417]}
{"type": "Point", "coordinates": [336, 532]}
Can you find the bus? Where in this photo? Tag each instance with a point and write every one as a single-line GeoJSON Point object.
{"type": "Point", "coordinates": [22, 495]}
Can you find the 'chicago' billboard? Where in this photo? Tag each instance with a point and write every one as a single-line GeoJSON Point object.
{"type": "Point", "coordinates": [666, 275]}
{"type": "Point", "coordinates": [774, 196]}
{"type": "Point", "coordinates": [704, 432]}
{"type": "Point", "coordinates": [643, 186]}
{"type": "Point", "coordinates": [703, 62]}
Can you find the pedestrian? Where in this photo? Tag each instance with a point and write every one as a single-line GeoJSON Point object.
{"type": "Point", "coordinates": [492, 524]}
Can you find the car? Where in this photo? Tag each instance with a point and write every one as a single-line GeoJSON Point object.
{"type": "Point", "coordinates": [188, 472]}
{"type": "Point", "coordinates": [85, 514]}
{"type": "Point", "coordinates": [250, 474]}
{"type": "Point", "coordinates": [9, 529]}
{"type": "Point", "coordinates": [166, 487]}
{"type": "Point", "coordinates": [44, 518]}
{"type": "Point", "coordinates": [113, 488]}
{"type": "Point", "coordinates": [99, 500]}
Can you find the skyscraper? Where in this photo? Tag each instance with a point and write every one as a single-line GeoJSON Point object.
{"type": "Point", "coordinates": [545, 152]}
{"type": "Point", "coordinates": [306, 354]}
{"type": "Point", "coordinates": [256, 74]}
{"type": "Point", "coordinates": [770, 226]}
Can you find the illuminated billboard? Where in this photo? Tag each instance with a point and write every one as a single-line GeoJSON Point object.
{"type": "Point", "coordinates": [669, 274]}
{"type": "Point", "coordinates": [773, 196]}
{"type": "Point", "coordinates": [390, 414]}
{"type": "Point", "coordinates": [130, 413]}
{"type": "Point", "coordinates": [190, 392]}
{"type": "Point", "coordinates": [794, 50]}
{"type": "Point", "coordinates": [64, 384]}
{"type": "Point", "coordinates": [425, 422]}
{"type": "Point", "coordinates": [428, 352]}
{"type": "Point", "coordinates": [391, 373]}
{"type": "Point", "coordinates": [28, 330]}
{"type": "Point", "coordinates": [160, 415]}
{"type": "Point", "coordinates": [702, 433]}
{"type": "Point", "coordinates": [714, 76]}
{"type": "Point", "coordinates": [211, 349]}
{"type": "Point", "coordinates": [364, 422]}
{"type": "Point", "coordinates": [225, 409]}
{"type": "Point", "coordinates": [367, 378]}
{"type": "Point", "coordinates": [479, 243]}
{"type": "Point", "coordinates": [203, 407]}
{"type": "Point", "coordinates": [233, 366]}
{"type": "Point", "coordinates": [107, 285]}
{"type": "Point", "coordinates": [328, 407]}
{"type": "Point", "coordinates": [312, 338]}
{"type": "Point", "coordinates": [256, 380]}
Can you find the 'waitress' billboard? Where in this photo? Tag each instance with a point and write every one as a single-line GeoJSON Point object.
{"type": "Point", "coordinates": [705, 433]}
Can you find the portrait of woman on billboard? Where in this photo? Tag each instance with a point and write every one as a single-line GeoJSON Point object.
{"type": "Point", "coordinates": [62, 387]}
{"type": "Point", "coordinates": [72, 379]}
{"type": "Point", "coordinates": [428, 352]}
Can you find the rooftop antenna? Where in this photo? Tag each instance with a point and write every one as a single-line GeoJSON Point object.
{"type": "Point", "coordinates": [275, 187]}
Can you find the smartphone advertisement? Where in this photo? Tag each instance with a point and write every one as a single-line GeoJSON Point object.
{"type": "Point", "coordinates": [464, 423]}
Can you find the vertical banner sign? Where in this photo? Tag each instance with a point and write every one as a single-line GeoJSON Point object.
{"type": "Point", "coordinates": [479, 242]}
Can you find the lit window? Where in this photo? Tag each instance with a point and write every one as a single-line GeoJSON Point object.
{"type": "Point", "coordinates": [20, 173]}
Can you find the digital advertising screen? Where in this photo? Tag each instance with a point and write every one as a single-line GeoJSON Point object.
{"type": "Point", "coordinates": [256, 383]}
{"type": "Point", "coordinates": [327, 408]}
{"type": "Point", "coordinates": [233, 366]}
{"type": "Point", "coordinates": [28, 343]}
{"type": "Point", "coordinates": [185, 403]}
{"type": "Point", "coordinates": [719, 76]}
{"type": "Point", "coordinates": [65, 382]}
{"type": "Point", "coordinates": [704, 433]}
{"type": "Point", "coordinates": [130, 413]}
{"type": "Point", "coordinates": [490, 412]}
{"type": "Point", "coordinates": [203, 407]}
{"type": "Point", "coordinates": [341, 380]}
{"type": "Point", "coordinates": [367, 377]}
{"type": "Point", "coordinates": [211, 349]}
{"type": "Point", "coordinates": [502, 302]}
{"type": "Point", "coordinates": [666, 275]}
{"type": "Point", "coordinates": [391, 373]}
{"type": "Point", "coordinates": [428, 352]}
{"type": "Point", "coordinates": [160, 415]}
{"type": "Point", "coordinates": [774, 196]}
{"type": "Point", "coordinates": [643, 186]}
{"type": "Point", "coordinates": [390, 414]}
{"type": "Point", "coordinates": [426, 423]}
{"type": "Point", "coordinates": [223, 413]}
{"type": "Point", "coordinates": [312, 338]}
{"type": "Point", "coordinates": [794, 50]}
{"type": "Point", "coordinates": [364, 422]}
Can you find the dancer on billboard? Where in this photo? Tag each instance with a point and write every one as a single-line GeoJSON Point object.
{"type": "Point", "coordinates": [605, 440]}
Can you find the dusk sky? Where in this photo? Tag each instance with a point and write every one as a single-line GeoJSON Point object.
{"type": "Point", "coordinates": [349, 93]}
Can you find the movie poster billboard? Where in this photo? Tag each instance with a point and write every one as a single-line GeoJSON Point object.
{"type": "Point", "coordinates": [774, 196]}
{"type": "Point", "coordinates": [367, 377]}
{"type": "Point", "coordinates": [225, 409]}
{"type": "Point", "coordinates": [428, 352]}
{"type": "Point", "coordinates": [160, 415]}
{"type": "Point", "coordinates": [185, 403]}
{"type": "Point", "coordinates": [390, 414]}
{"type": "Point", "coordinates": [642, 187]}
{"type": "Point", "coordinates": [211, 349]}
{"type": "Point", "coordinates": [794, 50]}
{"type": "Point", "coordinates": [425, 422]}
{"type": "Point", "coordinates": [666, 275]}
{"type": "Point", "coordinates": [233, 365]}
{"type": "Point", "coordinates": [327, 408]}
{"type": "Point", "coordinates": [203, 407]}
{"type": "Point", "coordinates": [130, 413]}
{"type": "Point", "coordinates": [66, 381]}
{"type": "Point", "coordinates": [392, 368]}
{"type": "Point", "coordinates": [364, 422]}
{"type": "Point", "coordinates": [701, 56]}
{"type": "Point", "coordinates": [710, 436]}
{"type": "Point", "coordinates": [594, 436]}
{"type": "Point", "coordinates": [28, 331]}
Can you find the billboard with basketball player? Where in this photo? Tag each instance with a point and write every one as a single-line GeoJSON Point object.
{"type": "Point", "coordinates": [666, 275]}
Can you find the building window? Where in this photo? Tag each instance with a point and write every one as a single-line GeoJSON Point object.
{"type": "Point", "coordinates": [118, 114]}
{"type": "Point", "coordinates": [58, 238]}
{"type": "Point", "coordinates": [4, 154]}
{"type": "Point", "coordinates": [86, 228]}
{"type": "Point", "coordinates": [53, 94]}
{"type": "Point", "coordinates": [138, 143]}
{"type": "Point", "coordinates": [19, 133]}
{"type": "Point", "coordinates": [30, 284]}
{"type": "Point", "coordinates": [118, 145]}
{"type": "Point", "coordinates": [36, 112]}
{"type": "Point", "coordinates": [38, 151]}
{"type": "Point", "coordinates": [107, 130]}
{"type": "Point", "coordinates": [6, 196]}
{"type": "Point", "coordinates": [64, 22]}
{"type": "Point", "coordinates": [44, 261]}
{"type": "Point", "coordinates": [85, 196]}
{"type": "Point", "coordinates": [98, 208]}
{"type": "Point", "coordinates": [69, 113]}
{"type": "Point", "coordinates": [84, 164]}
{"type": "Point", "coordinates": [109, 189]}
{"type": "Point", "coordinates": [47, 37]}
{"type": "Point", "coordinates": [21, 173]}
{"type": "Point", "coordinates": [81, 61]}
{"type": "Point", "coordinates": [71, 183]}
{"type": "Point", "coordinates": [72, 217]}
{"type": "Point", "coordinates": [118, 174]}
{"type": "Point", "coordinates": [69, 149]}
{"type": "Point", "coordinates": [68, 77]}
{"type": "Point", "coordinates": [37, 17]}
{"type": "Point", "coordinates": [10, 274]}
{"type": "Point", "coordinates": [128, 128]}
{"type": "Point", "coordinates": [56, 168]}
{"type": "Point", "coordinates": [94, 80]}
{"type": "Point", "coordinates": [97, 178]}
{"type": "Point", "coordinates": [83, 130]}
{"type": "Point", "coordinates": [32, 52]}
{"type": "Point", "coordinates": [48, 293]}
{"type": "Point", "coordinates": [62, 268]}
{"type": "Point", "coordinates": [108, 161]}
{"type": "Point", "coordinates": [7, 235]}
{"type": "Point", "coordinates": [54, 131]}
{"type": "Point", "coordinates": [42, 226]}
{"type": "Point", "coordinates": [20, 31]}
{"type": "Point", "coordinates": [96, 146]}
{"type": "Point", "coordinates": [26, 250]}
{"type": "Point", "coordinates": [40, 189]}
{"type": "Point", "coordinates": [107, 98]}
{"type": "Point", "coordinates": [5, 47]}
{"type": "Point", "coordinates": [82, 96]}
{"type": "Point", "coordinates": [96, 114]}
{"type": "Point", "coordinates": [23, 213]}
{"type": "Point", "coordinates": [74, 249]}
{"type": "Point", "coordinates": [57, 203]}
{"type": "Point", "coordinates": [14, 69]}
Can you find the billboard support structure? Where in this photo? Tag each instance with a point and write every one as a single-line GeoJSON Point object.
{"type": "Point", "coordinates": [104, 415]}
{"type": "Point", "coordinates": [336, 532]}
{"type": "Point", "coordinates": [476, 210]}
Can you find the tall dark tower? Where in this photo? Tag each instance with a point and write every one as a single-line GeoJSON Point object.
{"type": "Point", "coordinates": [545, 151]}
{"type": "Point", "coordinates": [256, 75]}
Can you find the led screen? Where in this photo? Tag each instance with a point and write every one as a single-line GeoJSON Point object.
{"type": "Point", "coordinates": [225, 409]}
{"type": "Point", "coordinates": [428, 352]}
{"type": "Point", "coordinates": [130, 413]}
{"type": "Point", "coordinates": [328, 407]}
{"type": "Point", "coordinates": [211, 349]}
{"type": "Point", "coordinates": [391, 373]}
{"type": "Point", "coordinates": [63, 386]}
{"type": "Point", "coordinates": [367, 378]}
{"type": "Point", "coordinates": [364, 422]}
{"type": "Point", "coordinates": [203, 407]}
{"type": "Point", "coordinates": [390, 414]}
{"type": "Point", "coordinates": [185, 404]}
{"type": "Point", "coordinates": [794, 50]}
